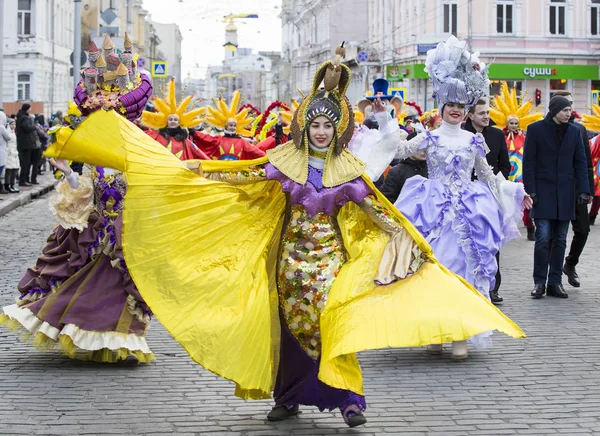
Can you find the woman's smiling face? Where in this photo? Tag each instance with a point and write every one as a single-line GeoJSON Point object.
{"type": "Point", "coordinates": [453, 113]}
{"type": "Point", "coordinates": [320, 132]}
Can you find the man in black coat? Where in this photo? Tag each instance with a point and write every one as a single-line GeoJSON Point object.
{"type": "Point", "coordinates": [479, 122]}
{"type": "Point", "coordinates": [555, 176]}
{"type": "Point", "coordinates": [398, 175]}
{"type": "Point", "coordinates": [581, 223]}
{"type": "Point", "coordinates": [27, 136]}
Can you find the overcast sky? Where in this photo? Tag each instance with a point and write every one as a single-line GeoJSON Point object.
{"type": "Point", "coordinates": [200, 22]}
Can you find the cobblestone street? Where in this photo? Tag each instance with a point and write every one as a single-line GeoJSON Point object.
{"type": "Point", "coordinates": [546, 384]}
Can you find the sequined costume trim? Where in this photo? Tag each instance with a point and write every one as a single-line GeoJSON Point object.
{"type": "Point", "coordinates": [312, 254]}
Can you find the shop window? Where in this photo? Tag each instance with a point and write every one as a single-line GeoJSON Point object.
{"type": "Point", "coordinates": [504, 16]}
{"type": "Point", "coordinates": [596, 87]}
{"type": "Point", "coordinates": [557, 17]}
{"type": "Point", "coordinates": [595, 18]}
{"type": "Point", "coordinates": [23, 86]}
{"type": "Point", "coordinates": [451, 18]}
{"type": "Point", "coordinates": [495, 86]}
{"type": "Point", "coordinates": [558, 85]}
{"type": "Point", "coordinates": [24, 17]}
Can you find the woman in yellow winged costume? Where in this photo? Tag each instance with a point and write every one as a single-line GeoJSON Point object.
{"type": "Point", "coordinates": [273, 273]}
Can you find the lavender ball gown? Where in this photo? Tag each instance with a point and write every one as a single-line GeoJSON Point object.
{"type": "Point", "coordinates": [465, 221]}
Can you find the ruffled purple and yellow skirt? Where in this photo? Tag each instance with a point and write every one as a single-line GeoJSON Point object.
{"type": "Point", "coordinates": [79, 298]}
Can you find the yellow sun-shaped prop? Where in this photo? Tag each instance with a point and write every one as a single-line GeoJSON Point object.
{"type": "Point", "coordinates": [288, 115]}
{"type": "Point", "coordinates": [158, 120]}
{"type": "Point", "coordinates": [592, 122]}
{"type": "Point", "coordinates": [359, 117]}
{"type": "Point", "coordinates": [218, 117]}
{"type": "Point", "coordinates": [507, 104]}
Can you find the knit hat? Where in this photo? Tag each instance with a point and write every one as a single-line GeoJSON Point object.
{"type": "Point", "coordinates": [25, 107]}
{"type": "Point", "coordinates": [558, 103]}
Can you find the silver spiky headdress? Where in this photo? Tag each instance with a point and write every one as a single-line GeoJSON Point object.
{"type": "Point", "coordinates": [457, 75]}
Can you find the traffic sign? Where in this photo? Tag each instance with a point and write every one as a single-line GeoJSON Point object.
{"type": "Point", "coordinates": [141, 62]}
{"type": "Point", "coordinates": [160, 69]}
{"type": "Point", "coordinates": [82, 57]}
{"type": "Point", "coordinates": [362, 56]}
{"type": "Point", "coordinates": [401, 92]}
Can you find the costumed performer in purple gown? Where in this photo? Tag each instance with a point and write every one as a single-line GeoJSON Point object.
{"type": "Point", "coordinates": [465, 221]}
{"type": "Point", "coordinates": [79, 298]}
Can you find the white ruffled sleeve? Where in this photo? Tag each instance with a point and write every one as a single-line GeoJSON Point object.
{"type": "Point", "coordinates": [73, 201]}
{"type": "Point", "coordinates": [509, 194]}
{"type": "Point", "coordinates": [378, 148]}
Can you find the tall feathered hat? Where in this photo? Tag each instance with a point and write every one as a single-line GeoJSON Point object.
{"type": "Point", "coordinates": [158, 120]}
{"type": "Point", "coordinates": [218, 116]}
{"type": "Point", "coordinates": [507, 105]}
{"type": "Point", "coordinates": [592, 122]}
{"type": "Point", "coordinates": [457, 75]}
{"type": "Point", "coordinates": [330, 102]}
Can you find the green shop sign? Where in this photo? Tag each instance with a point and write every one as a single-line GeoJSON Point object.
{"type": "Point", "coordinates": [540, 71]}
{"type": "Point", "coordinates": [396, 73]}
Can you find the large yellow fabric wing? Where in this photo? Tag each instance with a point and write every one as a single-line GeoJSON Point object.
{"type": "Point", "coordinates": [199, 251]}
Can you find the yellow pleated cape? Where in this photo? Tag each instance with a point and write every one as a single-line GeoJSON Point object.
{"type": "Point", "coordinates": [203, 255]}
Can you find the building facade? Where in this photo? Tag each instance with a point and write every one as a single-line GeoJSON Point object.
{"type": "Point", "coordinates": [28, 64]}
{"type": "Point", "coordinates": [255, 74]}
{"type": "Point", "coordinates": [169, 47]}
{"type": "Point", "coordinates": [538, 46]}
{"type": "Point", "coordinates": [311, 30]}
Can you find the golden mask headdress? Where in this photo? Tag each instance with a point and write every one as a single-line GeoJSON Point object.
{"type": "Point", "coordinates": [341, 165]}
{"type": "Point", "coordinates": [218, 117]}
{"type": "Point", "coordinates": [506, 106]}
{"type": "Point", "coordinates": [592, 122]}
{"type": "Point", "coordinates": [158, 120]}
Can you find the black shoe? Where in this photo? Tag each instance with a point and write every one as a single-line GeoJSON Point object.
{"type": "Point", "coordinates": [24, 184]}
{"type": "Point", "coordinates": [538, 291]}
{"type": "Point", "coordinates": [35, 183]}
{"type": "Point", "coordinates": [556, 291]}
{"type": "Point", "coordinates": [592, 220]}
{"type": "Point", "coordinates": [13, 190]}
{"type": "Point", "coordinates": [531, 234]}
{"type": "Point", "coordinates": [353, 416]}
{"type": "Point", "coordinates": [495, 298]}
{"type": "Point", "coordinates": [281, 413]}
{"type": "Point", "coordinates": [572, 276]}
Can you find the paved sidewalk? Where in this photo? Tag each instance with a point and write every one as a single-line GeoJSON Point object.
{"type": "Point", "coordinates": [9, 202]}
{"type": "Point", "coordinates": [547, 384]}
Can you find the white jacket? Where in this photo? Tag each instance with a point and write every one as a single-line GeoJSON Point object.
{"type": "Point", "coordinates": [12, 158]}
{"type": "Point", "coordinates": [4, 138]}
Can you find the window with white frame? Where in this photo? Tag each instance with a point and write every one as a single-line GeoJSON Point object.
{"type": "Point", "coordinates": [595, 18]}
{"type": "Point", "coordinates": [504, 16]}
{"type": "Point", "coordinates": [24, 17]}
{"type": "Point", "coordinates": [451, 17]}
{"type": "Point", "coordinates": [558, 11]}
{"type": "Point", "coordinates": [23, 86]}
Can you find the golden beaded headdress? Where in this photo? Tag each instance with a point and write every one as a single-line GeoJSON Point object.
{"type": "Point", "coordinates": [341, 165]}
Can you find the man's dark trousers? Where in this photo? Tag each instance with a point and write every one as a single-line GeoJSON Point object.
{"type": "Point", "coordinates": [547, 230]}
{"type": "Point", "coordinates": [581, 230]}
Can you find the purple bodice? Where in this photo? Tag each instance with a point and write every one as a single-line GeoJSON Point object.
{"type": "Point", "coordinates": [313, 196]}
{"type": "Point", "coordinates": [109, 191]}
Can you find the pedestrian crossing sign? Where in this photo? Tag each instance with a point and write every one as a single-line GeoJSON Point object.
{"type": "Point", "coordinates": [159, 69]}
{"type": "Point", "coordinates": [400, 92]}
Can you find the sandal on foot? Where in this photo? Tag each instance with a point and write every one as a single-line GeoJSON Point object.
{"type": "Point", "coordinates": [281, 413]}
{"type": "Point", "coordinates": [353, 416]}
